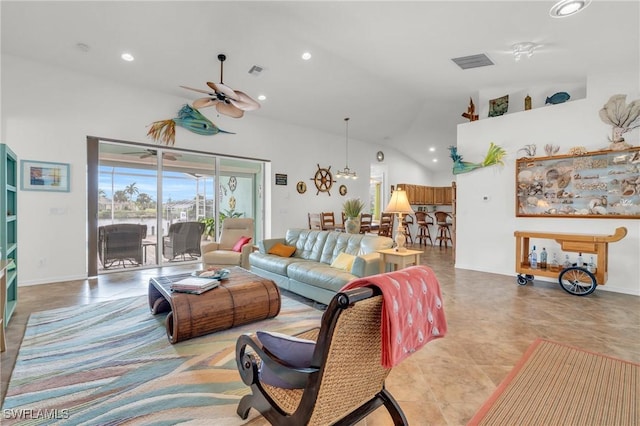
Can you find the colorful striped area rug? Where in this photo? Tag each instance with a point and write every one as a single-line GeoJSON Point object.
{"type": "Point", "coordinates": [111, 363]}
{"type": "Point", "coordinates": [557, 384]}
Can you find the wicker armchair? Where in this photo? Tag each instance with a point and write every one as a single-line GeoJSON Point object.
{"type": "Point", "coordinates": [183, 240]}
{"type": "Point", "coordinates": [346, 376]}
{"type": "Point", "coordinates": [121, 243]}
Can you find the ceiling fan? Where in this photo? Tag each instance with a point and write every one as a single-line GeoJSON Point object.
{"type": "Point", "coordinates": [227, 101]}
{"type": "Point", "coordinates": [154, 153]}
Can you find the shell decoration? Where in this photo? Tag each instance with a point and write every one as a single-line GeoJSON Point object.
{"type": "Point", "coordinates": [622, 117]}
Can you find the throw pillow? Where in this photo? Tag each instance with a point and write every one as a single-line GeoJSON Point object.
{"type": "Point", "coordinates": [291, 350]}
{"type": "Point", "coordinates": [282, 250]}
{"type": "Point", "coordinates": [343, 261]}
{"type": "Point", "coordinates": [241, 242]}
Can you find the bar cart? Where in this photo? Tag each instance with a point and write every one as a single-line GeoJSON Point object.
{"type": "Point", "coordinates": [576, 279]}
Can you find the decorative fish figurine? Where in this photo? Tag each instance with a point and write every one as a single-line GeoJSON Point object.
{"type": "Point", "coordinates": [189, 118]}
{"type": "Point", "coordinates": [494, 156]}
{"type": "Point", "coordinates": [558, 98]}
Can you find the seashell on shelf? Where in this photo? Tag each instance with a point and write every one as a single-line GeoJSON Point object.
{"type": "Point", "coordinates": [599, 210]}
{"type": "Point", "coordinates": [553, 174]}
{"type": "Point", "coordinates": [628, 191]}
{"type": "Point", "coordinates": [577, 150]}
{"type": "Point", "coordinates": [564, 180]}
{"type": "Point", "coordinates": [525, 176]}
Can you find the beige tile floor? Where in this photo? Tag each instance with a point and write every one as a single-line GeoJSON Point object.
{"type": "Point", "coordinates": [491, 319]}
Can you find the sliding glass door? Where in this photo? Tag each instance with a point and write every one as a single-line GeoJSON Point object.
{"type": "Point", "coordinates": [149, 201]}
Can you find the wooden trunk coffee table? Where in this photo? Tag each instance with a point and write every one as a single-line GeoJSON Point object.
{"type": "Point", "coordinates": [241, 298]}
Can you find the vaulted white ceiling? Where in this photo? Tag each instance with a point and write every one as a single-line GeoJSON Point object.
{"type": "Point", "coordinates": [385, 64]}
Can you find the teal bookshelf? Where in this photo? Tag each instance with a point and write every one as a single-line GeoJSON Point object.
{"type": "Point", "coordinates": [9, 225]}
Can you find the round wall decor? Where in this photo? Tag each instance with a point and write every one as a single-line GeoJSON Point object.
{"type": "Point", "coordinates": [343, 190]}
{"type": "Point", "coordinates": [380, 156]}
{"type": "Point", "coordinates": [301, 187]}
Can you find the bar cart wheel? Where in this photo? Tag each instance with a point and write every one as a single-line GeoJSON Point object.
{"type": "Point", "coordinates": [577, 281]}
{"type": "Point", "coordinates": [524, 279]}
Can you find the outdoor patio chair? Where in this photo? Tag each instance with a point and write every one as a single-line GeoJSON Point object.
{"type": "Point", "coordinates": [121, 244]}
{"type": "Point", "coordinates": [183, 240]}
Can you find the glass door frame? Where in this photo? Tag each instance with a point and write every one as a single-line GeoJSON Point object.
{"type": "Point", "coordinates": [93, 153]}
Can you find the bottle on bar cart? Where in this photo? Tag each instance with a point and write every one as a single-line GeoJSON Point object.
{"type": "Point", "coordinates": [533, 258]}
{"type": "Point", "coordinates": [543, 258]}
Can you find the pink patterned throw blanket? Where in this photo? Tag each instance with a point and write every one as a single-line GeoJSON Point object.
{"type": "Point", "coordinates": [412, 311]}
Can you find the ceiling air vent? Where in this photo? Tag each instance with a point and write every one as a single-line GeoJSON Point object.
{"type": "Point", "coordinates": [473, 61]}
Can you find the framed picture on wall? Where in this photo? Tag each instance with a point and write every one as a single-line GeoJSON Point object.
{"type": "Point", "coordinates": [44, 176]}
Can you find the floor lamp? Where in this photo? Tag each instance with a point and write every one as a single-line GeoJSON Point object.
{"type": "Point", "coordinates": [399, 204]}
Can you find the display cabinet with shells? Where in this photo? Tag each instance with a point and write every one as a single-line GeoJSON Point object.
{"type": "Point", "coordinates": [598, 184]}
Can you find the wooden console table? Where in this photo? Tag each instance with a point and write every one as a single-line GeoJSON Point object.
{"type": "Point", "coordinates": [593, 244]}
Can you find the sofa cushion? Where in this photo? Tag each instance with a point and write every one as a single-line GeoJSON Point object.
{"type": "Point", "coordinates": [293, 351]}
{"type": "Point", "coordinates": [282, 250]}
{"type": "Point", "coordinates": [343, 261]}
{"type": "Point", "coordinates": [309, 243]}
{"type": "Point", "coordinates": [222, 257]}
{"type": "Point", "coordinates": [319, 275]}
{"type": "Point", "coordinates": [240, 243]}
{"type": "Point", "coordinates": [272, 263]}
{"type": "Point", "coordinates": [341, 242]}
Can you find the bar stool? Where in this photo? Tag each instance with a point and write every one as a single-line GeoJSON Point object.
{"type": "Point", "coordinates": [423, 220]}
{"type": "Point", "coordinates": [407, 221]}
{"type": "Point", "coordinates": [444, 228]}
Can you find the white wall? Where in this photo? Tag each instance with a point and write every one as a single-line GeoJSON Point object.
{"type": "Point", "coordinates": [485, 240]}
{"type": "Point", "coordinates": [48, 112]}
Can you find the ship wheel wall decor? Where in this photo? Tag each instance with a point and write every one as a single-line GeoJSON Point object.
{"type": "Point", "coordinates": [323, 180]}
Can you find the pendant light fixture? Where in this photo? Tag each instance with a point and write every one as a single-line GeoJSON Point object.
{"type": "Point", "coordinates": [347, 173]}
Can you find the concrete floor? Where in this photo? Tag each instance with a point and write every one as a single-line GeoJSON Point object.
{"type": "Point", "coordinates": [491, 320]}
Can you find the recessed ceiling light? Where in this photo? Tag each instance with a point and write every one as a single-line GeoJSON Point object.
{"type": "Point", "coordinates": [566, 8]}
{"type": "Point", "coordinates": [262, 97]}
{"type": "Point", "coordinates": [127, 57]}
{"type": "Point", "coordinates": [306, 56]}
{"type": "Point", "coordinates": [432, 149]}
{"type": "Point", "coordinates": [435, 160]}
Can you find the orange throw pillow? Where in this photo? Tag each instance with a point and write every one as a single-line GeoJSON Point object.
{"type": "Point", "coordinates": [241, 242]}
{"type": "Point", "coordinates": [282, 250]}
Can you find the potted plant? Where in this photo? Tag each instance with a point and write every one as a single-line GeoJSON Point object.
{"type": "Point", "coordinates": [209, 227]}
{"type": "Point", "coordinates": [352, 209]}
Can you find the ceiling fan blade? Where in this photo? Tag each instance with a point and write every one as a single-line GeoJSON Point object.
{"type": "Point", "coordinates": [147, 155]}
{"type": "Point", "coordinates": [204, 102]}
{"type": "Point", "coordinates": [221, 88]}
{"type": "Point", "coordinates": [245, 102]}
{"type": "Point", "coordinates": [208, 92]}
{"type": "Point", "coordinates": [229, 109]}
{"type": "Point", "coordinates": [169, 157]}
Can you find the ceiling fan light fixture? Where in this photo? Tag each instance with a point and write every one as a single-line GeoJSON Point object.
{"type": "Point", "coordinates": [346, 173]}
{"type": "Point", "coordinates": [229, 102]}
{"type": "Point", "coordinates": [565, 8]}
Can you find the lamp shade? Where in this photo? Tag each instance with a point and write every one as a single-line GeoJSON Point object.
{"type": "Point", "coordinates": [399, 203]}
